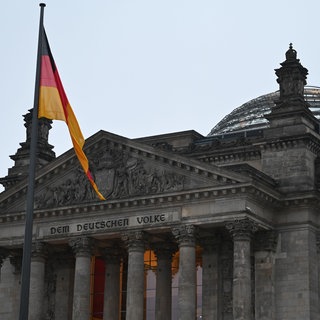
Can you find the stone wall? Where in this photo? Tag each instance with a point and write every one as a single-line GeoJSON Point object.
{"type": "Point", "coordinates": [296, 274]}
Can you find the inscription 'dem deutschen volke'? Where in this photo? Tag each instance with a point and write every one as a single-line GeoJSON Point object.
{"type": "Point", "coordinates": [99, 225]}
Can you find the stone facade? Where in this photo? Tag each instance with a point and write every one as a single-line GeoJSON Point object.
{"type": "Point", "coordinates": [231, 220]}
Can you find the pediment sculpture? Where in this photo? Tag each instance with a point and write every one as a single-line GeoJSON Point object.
{"type": "Point", "coordinates": [118, 175]}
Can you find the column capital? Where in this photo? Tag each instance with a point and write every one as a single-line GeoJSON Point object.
{"type": "Point", "coordinates": [242, 229]}
{"type": "Point", "coordinates": [185, 235]}
{"type": "Point", "coordinates": [266, 240]}
{"type": "Point", "coordinates": [82, 246]}
{"type": "Point", "coordinates": [134, 240]}
{"type": "Point", "coordinates": [39, 250]}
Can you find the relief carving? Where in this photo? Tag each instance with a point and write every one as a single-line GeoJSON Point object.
{"type": "Point", "coordinates": [117, 174]}
{"type": "Point", "coordinates": [73, 190]}
{"type": "Point", "coordinates": [120, 175]}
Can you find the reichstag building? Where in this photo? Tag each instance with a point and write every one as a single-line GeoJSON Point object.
{"type": "Point", "coordinates": [224, 226]}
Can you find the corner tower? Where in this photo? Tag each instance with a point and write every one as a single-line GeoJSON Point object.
{"type": "Point", "coordinates": [21, 159]}
{"type": "Point", "coordinates": [292, 141]}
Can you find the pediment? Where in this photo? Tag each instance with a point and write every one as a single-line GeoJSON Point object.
{"type": "Point", "coordinates": [122, 168]}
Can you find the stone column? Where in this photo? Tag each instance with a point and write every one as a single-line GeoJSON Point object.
{"type": "Point", "coordinates": [82, 248]}
{"type": "Point", "coordinates": [163, 252]}
{"type": "Point", "coordinates": [63, 263]}
{"type": "Point", "coordinates": [111, 307]}
{"type": "Point", "coordinates": [3, 255]}
{"type": "Point", "coordinates": [210, 277]}
{"type": "Point", "coordinates": [242, 231]}
{"type": "Point", "coordinates": [185, 236]}
{"type": "Point", "coordinates": [135, 242]}
{"type": "Point", "coordinates": [37, 275]}
{"type": "Point", "coordinates": [265, 243]}
{"type": "Point", "coordinates": [10, 286]}
{"type": "Point", "coordinates": [124, 281]}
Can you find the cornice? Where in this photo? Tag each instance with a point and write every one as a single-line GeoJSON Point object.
{"type": "Point", "coordinates": [155, 201]}
{"type": "Point", "coordinates": [231, 156]}
{"type": "Point", "coordinates": [252, 191]}
{"type": "Point", "coordinates": [311, 198]}
{"type": "Point", "coordinates": [309, 141]}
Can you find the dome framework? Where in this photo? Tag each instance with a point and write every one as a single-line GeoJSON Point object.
{"type": "Point", "coordinates": [251, 115]}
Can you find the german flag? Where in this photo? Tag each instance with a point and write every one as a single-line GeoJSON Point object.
{"type": "Point", "coordinates": [54, 105]}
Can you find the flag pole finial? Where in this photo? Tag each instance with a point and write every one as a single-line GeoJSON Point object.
{"type": "Point", "coordinates": [42, 4]}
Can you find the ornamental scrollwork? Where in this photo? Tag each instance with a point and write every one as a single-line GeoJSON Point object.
{"type": "Point", "coordinates": [82, 246]}
{"type": "Point", "coordinates": [242, 229]}
{"type": "Point", "coordinates": [135, 240]}
{"type": "Point", "coordinates": [185, 234]}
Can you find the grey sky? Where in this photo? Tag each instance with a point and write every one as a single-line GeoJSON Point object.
{"type": "Point", "coordinates": [144, 67]}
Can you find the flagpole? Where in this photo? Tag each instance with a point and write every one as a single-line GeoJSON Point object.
{"type": "Point", "coordinates": [27, 246]}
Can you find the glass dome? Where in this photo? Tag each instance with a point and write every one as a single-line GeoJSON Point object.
{"type": "Point", "coordinates": [250, 115]}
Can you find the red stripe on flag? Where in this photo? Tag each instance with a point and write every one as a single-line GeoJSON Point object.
{"type": "Point", "coordinates": [62, 93]}
{"type": "Point", "coordinates": [47, 78]}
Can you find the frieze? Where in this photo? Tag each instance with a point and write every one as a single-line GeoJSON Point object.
{"type": "Point", "coordinates": [117, 174]}
{"type": "Point", "coordinates": [107, 224]}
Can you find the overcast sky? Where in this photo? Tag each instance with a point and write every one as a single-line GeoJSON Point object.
{"type": "Point", "coordinates": [146, 67]}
